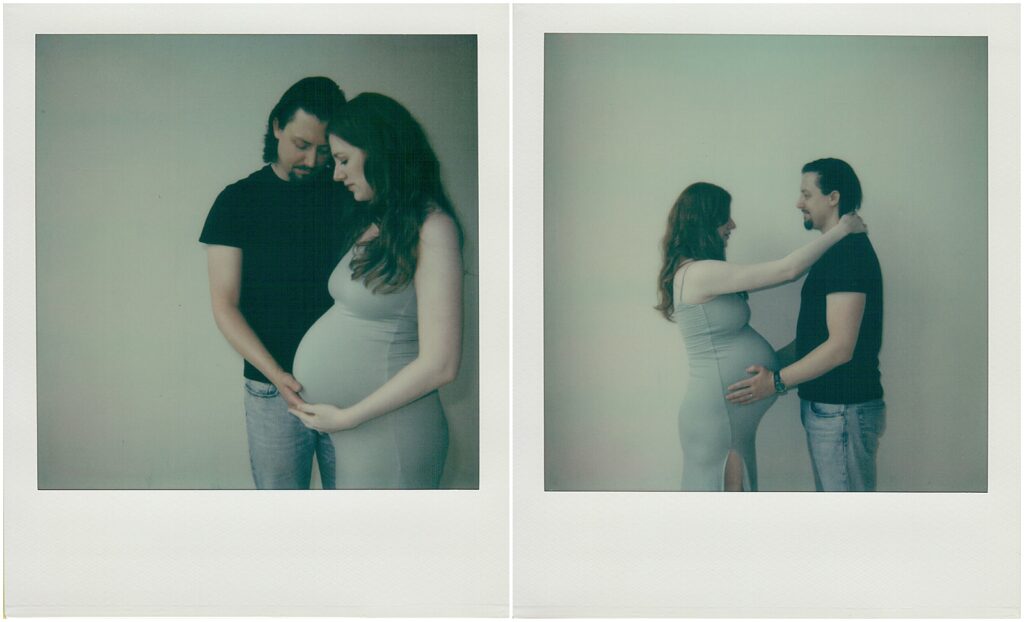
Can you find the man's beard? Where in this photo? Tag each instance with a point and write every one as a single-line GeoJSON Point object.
{"type": "Point", "coordinates": [808, 224]}
{"type": "Point", "coordinates": [309, 176]}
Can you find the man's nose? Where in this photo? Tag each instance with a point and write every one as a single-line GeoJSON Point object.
{"type": "Point", "coordinates": [310, 159]}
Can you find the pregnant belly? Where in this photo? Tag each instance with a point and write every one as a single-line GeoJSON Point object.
{"type": "Point", "coordinates": [342, 359]}
{"type": "Point", "coordinates": [746, 349]}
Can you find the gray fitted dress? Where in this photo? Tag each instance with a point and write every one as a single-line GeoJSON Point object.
{"type": "Point", "coordinates": [353, 349]}
{"type": "Point", "coordinates": [720, 345]}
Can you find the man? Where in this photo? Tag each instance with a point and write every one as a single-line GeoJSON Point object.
{"type": "Point", "coordinates": [271, 243]}
{"type": "Point", "coordinates": [838, 337]}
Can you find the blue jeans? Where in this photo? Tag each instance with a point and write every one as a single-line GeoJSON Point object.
{"type": "Point", "coordinates": [281, 449]}
{"type": "Point", "coordinates": [843, 441]}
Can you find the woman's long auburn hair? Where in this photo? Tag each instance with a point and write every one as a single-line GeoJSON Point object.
{"type": "Point", "coordinates": [405, 176]}
{"type": "Point", "coordinates": [691, 234]}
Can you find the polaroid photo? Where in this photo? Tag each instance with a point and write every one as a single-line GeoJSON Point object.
{"type": "Point", "coordinates": [182, 167]}
{"type": "Point", "coordinates": [647, 137]}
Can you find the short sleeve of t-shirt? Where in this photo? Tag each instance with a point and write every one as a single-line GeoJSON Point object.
{"type": "Point", "coordinates": [224, 225]}
{"type": "Point", "coordinates": [844, 268]}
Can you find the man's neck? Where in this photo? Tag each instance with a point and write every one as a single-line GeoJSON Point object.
{"type": "Point", "coordinates": [832, 222]}
{"type": "Point", "coordinates": [277, 171]}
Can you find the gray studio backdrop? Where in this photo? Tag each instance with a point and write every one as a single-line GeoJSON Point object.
{"type": "Point", "coordinates": [135, 137]}
{"type": "Point", "coordinates": [630, 120]}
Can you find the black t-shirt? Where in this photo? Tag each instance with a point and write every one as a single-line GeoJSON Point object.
{"type": "Point", "coordinates": [290, 234]}
{"type": "Point", "coordinates": [849, 266]}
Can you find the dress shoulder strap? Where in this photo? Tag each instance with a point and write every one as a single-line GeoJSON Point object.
{"type": "Point", "coordinates": [686, 266]}
{"type": "Point", "coordinates": [677, 292]}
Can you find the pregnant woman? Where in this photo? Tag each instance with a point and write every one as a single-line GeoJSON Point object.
{"type": "Point", "coordinates": [707, 297]}
{"type": "Point", "coordinates": [370, 367]}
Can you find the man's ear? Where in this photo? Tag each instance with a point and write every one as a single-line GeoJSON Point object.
{"type": "Point", "coordinates": [277, 130]}
{"type": "Point", "coordinates": [833, 198]}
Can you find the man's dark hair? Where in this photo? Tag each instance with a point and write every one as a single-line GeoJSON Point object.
{"type": "Point", "coordinates": [834, 175]}
{"type": "Point", "coordinates": [318, 96]}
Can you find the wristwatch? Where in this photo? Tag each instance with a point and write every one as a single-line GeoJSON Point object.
{"type": "Point", "coordinates": [780, 386]}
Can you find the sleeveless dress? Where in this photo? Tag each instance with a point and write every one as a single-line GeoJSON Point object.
{"type": "Point", "coordinates": [353, 349]}
{"type": "Point", "coordinates": [720, 345]}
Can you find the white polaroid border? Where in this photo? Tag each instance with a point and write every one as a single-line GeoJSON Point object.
{"type": "Point", "coordinates": [630, 554]}
{"type": "Point", "coordinates": [209, 553]}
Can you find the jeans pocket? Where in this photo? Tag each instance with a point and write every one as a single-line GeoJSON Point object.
{"type": "Point", "coordinates": [821, 409]}
{"type": "Point", "coordinates": [260, 389]}
{"type": "Point", "coordinates": [872, 417]}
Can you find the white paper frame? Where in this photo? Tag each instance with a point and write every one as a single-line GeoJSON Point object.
{"type": "Point", "coordinates": [208, 553]}
{"type": "Point", "coordinates": [629, 554]}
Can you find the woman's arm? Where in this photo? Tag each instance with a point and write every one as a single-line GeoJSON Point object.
{"type": "Point", "coordinates": [707, 279]}
{"type": "Point", "coordinates": [438, 283]}
{"type": "Point", "coordinates": [224, 264]}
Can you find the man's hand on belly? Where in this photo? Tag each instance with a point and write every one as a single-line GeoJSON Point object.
{"type": "Point", "coordinates": [753, 389]}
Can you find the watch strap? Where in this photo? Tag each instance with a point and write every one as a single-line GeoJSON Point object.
{"type": "Point", "coordinates": [780, 387]}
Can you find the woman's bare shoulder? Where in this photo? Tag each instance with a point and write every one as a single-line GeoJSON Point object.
{"type": "Point", "coordinates": [696, 274]}
{"type": "Point", "coordinates": [439, 228]}
{"type": "Point", "coordinates": [696, 267]}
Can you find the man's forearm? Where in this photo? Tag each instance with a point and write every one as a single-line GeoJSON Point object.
{"type": "Point", "coordinates": [786, 355]}
{"type": "Point", "coordinates": [243, 339]}
{"type": "Point", "coordinates": [817, 363]}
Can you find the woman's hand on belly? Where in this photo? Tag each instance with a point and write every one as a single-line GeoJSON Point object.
{"type": "Point", "coordinates": [326, 417]}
